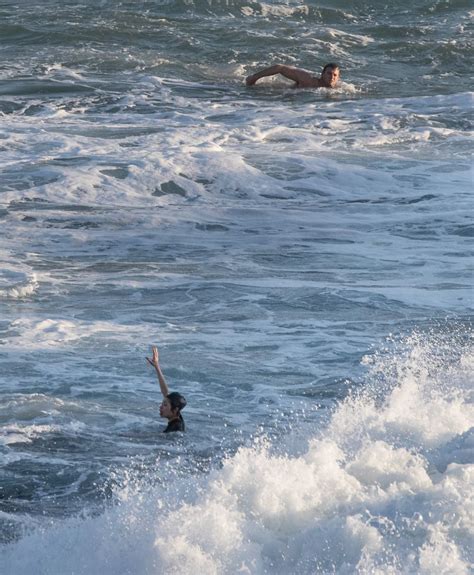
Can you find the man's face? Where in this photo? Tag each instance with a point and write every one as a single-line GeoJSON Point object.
{"type": "Point", "coordinates": [330, 77]}
{"type": "Point", "coordinates": [166, 410]}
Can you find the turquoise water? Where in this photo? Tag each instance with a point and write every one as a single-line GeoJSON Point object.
{"type": "Point", "coordinates": [302, 258]}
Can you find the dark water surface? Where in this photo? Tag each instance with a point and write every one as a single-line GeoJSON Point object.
{"type": "Point", "coordinates": [303, 259]}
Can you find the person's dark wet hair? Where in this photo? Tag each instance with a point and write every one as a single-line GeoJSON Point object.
{"type": "Point", "coordinates": [176, 400]}
{"type": "Point", "coordinates": [331, 66]}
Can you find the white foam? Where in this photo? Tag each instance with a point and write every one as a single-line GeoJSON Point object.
{"type": "Point", "coordinates": [49, 333]}
{"type": "Point", "coordinates": [365, 496]}
{"type": "Point", "coordinates": [192, 145]}
{"type": "Point", "coordinates": [17, 433]}
{"type": "Point", "coordinates": [277, 10]}
{"type": "Point", "coordinates": [21, 290]}
{"type": "Point", "coordinates": [359, 39]}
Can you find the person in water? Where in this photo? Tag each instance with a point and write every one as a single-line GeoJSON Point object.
{"type": "Point", "coordinates": [328, 79]}
{"type": "Point", "coordinates": [173, 402]}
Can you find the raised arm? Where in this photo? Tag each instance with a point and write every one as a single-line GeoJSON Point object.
{"type": "Point", "coordinates": [154, 361]}
{"type": "Point", "coordinates": [301, 77]}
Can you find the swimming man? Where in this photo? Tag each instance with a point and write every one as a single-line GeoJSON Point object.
{"type": "Point", "coordinates": [172, 403]}
{"type": "Point", "coordinates": [328, 79]}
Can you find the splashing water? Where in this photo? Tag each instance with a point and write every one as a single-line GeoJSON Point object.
{"type": "Point", "coordinates": [385, 487]}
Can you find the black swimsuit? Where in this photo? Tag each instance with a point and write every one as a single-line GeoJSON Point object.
{"type": "Point", "coordinates": [175, 425]}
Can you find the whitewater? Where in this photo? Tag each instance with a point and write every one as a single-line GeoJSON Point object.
{"type": "Point", "coordinates": [302, 258]}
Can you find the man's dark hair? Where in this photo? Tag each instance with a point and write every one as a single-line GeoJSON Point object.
{"type": "Point", "coordinates": [176, 400]}
{"type": "Point", "coordinates": [331, 66]}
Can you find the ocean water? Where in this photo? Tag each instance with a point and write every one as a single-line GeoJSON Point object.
{"type": "Point", "coordinates": [302, 258]}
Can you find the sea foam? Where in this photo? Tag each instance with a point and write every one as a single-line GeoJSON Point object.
{"type": "Point", "coordinates": [384, 488]}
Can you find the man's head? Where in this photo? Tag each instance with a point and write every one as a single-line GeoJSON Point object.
{"type": "Point", "coordinates": [330, 75]}
{"type": "Point", "coordinates": [172, 405]}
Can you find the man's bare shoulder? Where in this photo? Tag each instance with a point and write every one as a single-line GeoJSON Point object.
{"type": "Point", "coordinates": [309, 82]}
{"type": "Point", "coordinates": [302, 78]}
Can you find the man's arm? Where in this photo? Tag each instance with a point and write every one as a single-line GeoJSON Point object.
{"type": "Point", "coordinates": [301, 77]}
{"type": "Point", "coordinates": [154, 361]}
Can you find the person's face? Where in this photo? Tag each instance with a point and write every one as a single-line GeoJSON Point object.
{"type": "Point", "coordinates": [166, 410]}
{"type": "Point", "coordinates": [330, 77]}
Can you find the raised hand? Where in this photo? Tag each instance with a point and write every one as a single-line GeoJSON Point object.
{"type": "Point", "coordinates": [154, 361]}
